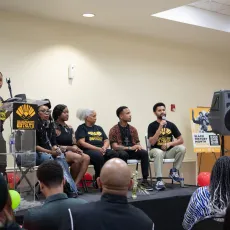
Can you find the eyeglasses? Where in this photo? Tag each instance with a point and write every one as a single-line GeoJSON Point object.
{"type": "Point", "coordinates": [45, 111]}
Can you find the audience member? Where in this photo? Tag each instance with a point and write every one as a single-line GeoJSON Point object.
{"type": "Point", "coordinates": [113, 211]}
{"type": "Point", "coordinates": [6, 213]}
{"type": "Point", "coordinates": [166, 143]}
{"type": "Point", "coordinates": [227, 219]}
{"type": "Point", "coordinates": [124, 139]}
{"type": "Point", "coordinates": [47, 148]}
{"type": "Point", "coordinates": [65, 138]}
{"type": "Point", "coordinates": [93, 141]}
{"type": "Point", "coordinates": [211, 200]}
{"type": "Point", "coordinates": [55, 209]}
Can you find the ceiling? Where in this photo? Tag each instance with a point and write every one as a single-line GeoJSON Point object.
{"type": "Point", "coordinates": [218, 6]}
{"type": "Point", "coordinates": [131, 16]}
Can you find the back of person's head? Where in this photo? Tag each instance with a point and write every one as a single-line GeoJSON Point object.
{"type": "Point", "coordinates": [120, 110]}
{"type": "Point", "coordinates": [115, 177]}
{"type": "Point", "coordinates": [58, 110]}
{"type": "Point", "coordinates": [159, 104]}
{"type": "Point", "coordinates": [220, 185]}
{"type": "Point", "coordinates": [82, 114]}
{"type": "Point", "coordinates": [6, 211]}
{"type": "Point", "coordinates": [50, 174]}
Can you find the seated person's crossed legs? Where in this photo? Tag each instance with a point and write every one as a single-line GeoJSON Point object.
{"type": "Point", "coordinates": [65, 138]}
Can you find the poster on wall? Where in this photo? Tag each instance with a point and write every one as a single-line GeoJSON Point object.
{"type": "Point", "coordinates": [204, 140]}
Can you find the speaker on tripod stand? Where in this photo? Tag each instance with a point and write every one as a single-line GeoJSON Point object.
{"type": "Point", "coordinates": [219, 116]}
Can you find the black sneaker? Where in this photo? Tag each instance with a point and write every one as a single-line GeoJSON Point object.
{"type": "Point", "coordinates": [72, 195]}
{"type": "Point", "coordinates": [146, 185]}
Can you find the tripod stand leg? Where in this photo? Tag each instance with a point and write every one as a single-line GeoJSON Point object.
{"type": "Point", "coordinates": [201, 155]}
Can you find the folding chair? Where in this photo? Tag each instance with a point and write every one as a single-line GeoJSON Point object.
{"type": "Point", "coordinates": [24, 168]}
{"type": "Point", "coordinates": [25, 157]}
{"type": "Point", "coordinates": [134, 162]}
{"type": "Point", "coordinates": [148, 148]}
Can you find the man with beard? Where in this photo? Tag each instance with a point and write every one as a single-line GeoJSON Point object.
{"type": "Point", "coordinates": [166, 143]}
{"type": "Point", "coordinates": [125, 140]}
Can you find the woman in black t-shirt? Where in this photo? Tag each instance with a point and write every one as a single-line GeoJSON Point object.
{"type": "Point", "coordinates": [93, 140]}
{"type": "Point", "coordinates": [65, 139]}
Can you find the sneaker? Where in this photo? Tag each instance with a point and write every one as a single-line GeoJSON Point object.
{"type": "Point", "coordinates": [72, 195]}
{"type": "Point", "coordinates": [174, 175]}
{"type": "Point", "coordinates": [160, 185]}
{"type": "Point", "coordinates": [146, 185]}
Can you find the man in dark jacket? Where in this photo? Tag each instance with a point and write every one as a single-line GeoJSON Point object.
{"type": "Point", "coordinates": [113, 211]}
{"type": "Point", "coordinates": [55, 208]}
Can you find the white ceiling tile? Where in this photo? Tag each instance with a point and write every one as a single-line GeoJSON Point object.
{"type": "Point", "coordinates": [219, 6]}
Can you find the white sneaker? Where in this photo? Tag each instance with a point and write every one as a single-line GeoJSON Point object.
{"type": "Point", "coordinates": [160, 185]}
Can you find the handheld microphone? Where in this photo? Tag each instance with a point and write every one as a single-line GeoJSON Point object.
{"type": "Point", "coordinates": [164, 118]}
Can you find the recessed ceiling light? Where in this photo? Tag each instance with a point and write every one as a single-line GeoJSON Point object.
{"type": "Point", "coordinates": [88, 15]}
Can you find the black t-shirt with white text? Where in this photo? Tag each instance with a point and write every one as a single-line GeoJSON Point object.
{"type": "Point", "coordinates": [94, 135]}
{"type": "Point", "coordinates": [166, 135]}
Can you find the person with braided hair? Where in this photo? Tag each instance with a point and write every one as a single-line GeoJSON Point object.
{"type": "Point", "coordinates": [212, 200]}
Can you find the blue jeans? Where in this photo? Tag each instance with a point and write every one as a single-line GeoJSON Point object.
{"type": "Point", "coordinates": [41, 157]}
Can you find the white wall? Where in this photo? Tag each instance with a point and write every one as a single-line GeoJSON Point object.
{"type": "Point", "coordinates": [112, 69]}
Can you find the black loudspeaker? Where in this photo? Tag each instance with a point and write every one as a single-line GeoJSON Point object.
{"type": "Point", "coordinates": [219, 116]}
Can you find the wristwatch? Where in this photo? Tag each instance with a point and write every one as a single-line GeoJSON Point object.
{"type": "Point", "coordinates": [129, 148]}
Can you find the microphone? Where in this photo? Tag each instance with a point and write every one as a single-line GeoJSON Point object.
{"type": "Point", "coordinates": [164, 118]}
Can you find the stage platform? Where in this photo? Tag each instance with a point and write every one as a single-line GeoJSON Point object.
{"type": "Point", "coordinates": [165, 208]}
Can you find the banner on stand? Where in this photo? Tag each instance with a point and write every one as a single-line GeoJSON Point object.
{"type": "Point", "coordinates": [204, 140]}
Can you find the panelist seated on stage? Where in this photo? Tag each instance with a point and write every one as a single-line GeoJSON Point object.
{"type": "Point", "coordinates": [212, 200]}
{"type": "Point", "coordinates": [66, 140]}
{"type": "Point", "coordinates": [93, 141]}
{"type": "Point", "coordinates": [125, 141]}
{"type": "Point", "coordinates": [166, 143]}
{"type": "Point", "coordinates": [55, 208]}
{"type": "Point", "coordinates": [47, 148]}
{"type": "Point", "coordinates": [46, 145]}
{"type": "Point", "coordinates": [113, 211]}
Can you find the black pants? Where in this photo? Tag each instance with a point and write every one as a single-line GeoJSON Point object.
{"type": "Point", "coordinates": [138, 155]}
{"type": "Point", "coordinates": [97, 159]}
